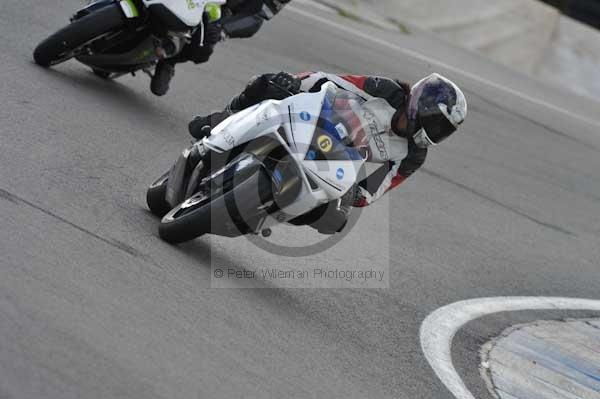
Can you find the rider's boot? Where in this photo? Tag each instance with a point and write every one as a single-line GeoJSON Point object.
{"type": "Point", "coordinates": [333, 220]}
{"type": "Point", "coordinates": [197, 127]}
{"type": "Point", "coordinates": [201, 126]}
{"type": "Point", "coordinates": [327, 219]}
{"type": "Point", "coordinates": [161, 79]}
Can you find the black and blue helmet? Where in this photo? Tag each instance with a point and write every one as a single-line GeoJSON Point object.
{"type": "Point", "coordinates": [436, 108]}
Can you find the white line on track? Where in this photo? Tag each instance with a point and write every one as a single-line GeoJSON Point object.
{"type": "Point", "coordinates": [440, 327]}
{"type": "Point", "coordinates": [458, 71]}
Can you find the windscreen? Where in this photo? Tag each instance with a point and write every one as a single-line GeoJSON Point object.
{"type": "Point", "coordinates": [338, 126]}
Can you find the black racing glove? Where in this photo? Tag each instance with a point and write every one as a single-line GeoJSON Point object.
{"type": "Point", "coordinates": [286, 82]}
{"type": "Point", "coordinates": [196, 52]}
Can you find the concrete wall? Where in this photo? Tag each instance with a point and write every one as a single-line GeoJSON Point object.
{"type": "Point", "coordinates": [527, 35]}
{"type": "Point", "coordinates": [573, 58]}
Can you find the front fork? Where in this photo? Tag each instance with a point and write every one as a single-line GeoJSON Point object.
{"type": "Point", "coordinates": [185, 174]}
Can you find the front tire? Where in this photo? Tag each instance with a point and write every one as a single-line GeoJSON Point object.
{"type": "Point", "coordinates": [64, 44]}
{"type": "Point", "coordinates": [234, 211]}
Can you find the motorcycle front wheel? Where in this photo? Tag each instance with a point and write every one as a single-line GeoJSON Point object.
{"type": "Point", "coordinates": [233, 211]}
{"type": "Point", "coordinates": [67, 42]}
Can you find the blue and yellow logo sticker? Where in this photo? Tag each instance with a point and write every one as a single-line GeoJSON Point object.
{"type": "Point", "coordinates": [325, 144]}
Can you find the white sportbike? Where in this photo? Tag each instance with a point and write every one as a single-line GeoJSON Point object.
{"type": "Point", "coordinates": [266, 165]}
{"type": "Point", "coordinates": [116, 37]}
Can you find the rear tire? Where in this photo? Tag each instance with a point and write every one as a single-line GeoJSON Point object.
{"type": "Point", "coordinates": [63, 44]}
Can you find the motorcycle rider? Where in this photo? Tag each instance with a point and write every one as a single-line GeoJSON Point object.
{"type": "Point", "coordinates": [245, 19]}
{"type": "Point", "coordinates": [411, 120]}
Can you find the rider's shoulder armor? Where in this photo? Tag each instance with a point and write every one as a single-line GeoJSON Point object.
{"type": "Point", "coordinates": [387, 89]}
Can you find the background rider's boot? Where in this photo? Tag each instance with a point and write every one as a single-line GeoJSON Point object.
{"type": "Point", "coordinates": [163, 74]}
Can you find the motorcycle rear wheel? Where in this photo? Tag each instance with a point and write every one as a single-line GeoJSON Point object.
{"type": "Point", "coordinates": [65, 43]}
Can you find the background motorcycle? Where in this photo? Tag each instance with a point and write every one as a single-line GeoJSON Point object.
{"type": "Point", "coordinates": [269, 164]}
{"type": "Point", "coordinates": [116, 37]}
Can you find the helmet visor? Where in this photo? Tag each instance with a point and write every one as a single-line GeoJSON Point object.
{"type": "Point", "coordinates": [437, 126]}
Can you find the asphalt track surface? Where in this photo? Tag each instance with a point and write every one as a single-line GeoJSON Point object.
{"type": "Point", "coordinates": [93, 304]}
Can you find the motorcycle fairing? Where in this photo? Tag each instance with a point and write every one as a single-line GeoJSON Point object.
{"type": "Point", "coordinates": [129, 8]}
{"type": "Point", "coordinates": [294, 122]}
{"type": "Point", "coordinates": [190, 12]}
{"type": "Point", "coordinates": [92, 6]}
